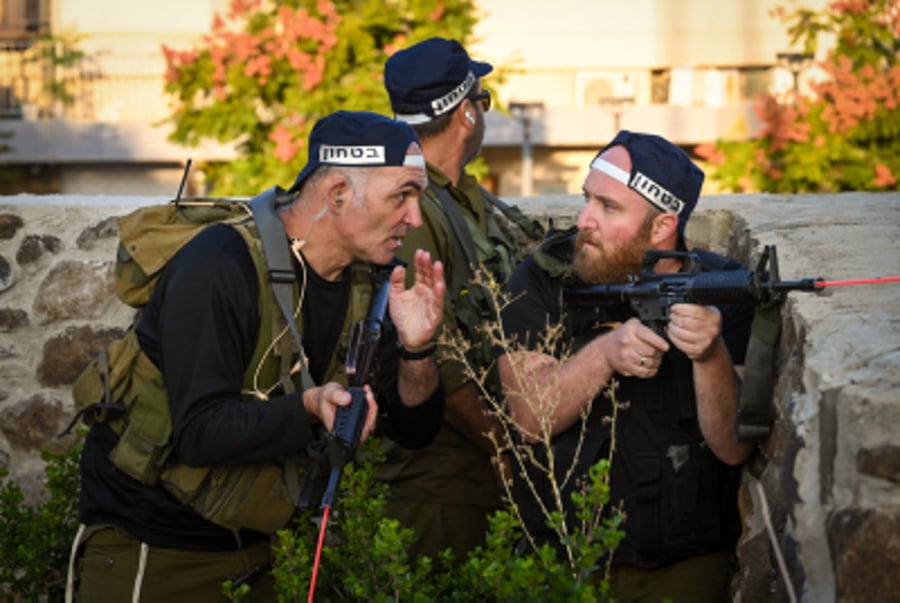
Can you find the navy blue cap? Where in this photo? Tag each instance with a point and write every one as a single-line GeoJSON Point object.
{"type": "Point", "coordinates": [358, 139]}
{"type": "Point", "coordinates": [661, 173]}
{"type": "Point", "coordinates": [430, 78]}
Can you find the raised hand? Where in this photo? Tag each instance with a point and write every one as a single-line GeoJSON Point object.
{"type": "Point", "coordinates": [417, 311]}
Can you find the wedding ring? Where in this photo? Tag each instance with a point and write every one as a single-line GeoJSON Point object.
{"type": "Point", "coordinates": [643, 361]}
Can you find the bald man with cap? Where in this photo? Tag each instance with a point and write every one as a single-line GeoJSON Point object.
{"type": "Point", "coordinates": [677, 460]}
{"type": "Point", "coordinates": [226, 374]}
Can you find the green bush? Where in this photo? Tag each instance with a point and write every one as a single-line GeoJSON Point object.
{"type": "Point", "coordinates": [37, 538]}
{"type": "Point", "coordinates": [364, 559]}
{"type": "Point", "coordinates": [365, 556]}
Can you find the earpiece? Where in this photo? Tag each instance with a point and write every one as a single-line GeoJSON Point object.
{"type": "Point", "coordinates": [470, 118]}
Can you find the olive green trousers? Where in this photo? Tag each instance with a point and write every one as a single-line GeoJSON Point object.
{"type": "Point", "coordinates": [703, 579]}
{"type": "Point", "coordinates": [115, 566]}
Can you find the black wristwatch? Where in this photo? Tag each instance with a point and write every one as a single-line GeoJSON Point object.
{"type": "Point", "coordinates": [407, 355]}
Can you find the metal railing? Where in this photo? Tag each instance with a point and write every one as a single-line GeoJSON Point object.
{"type": "Point", "coordinates": [39, 80]}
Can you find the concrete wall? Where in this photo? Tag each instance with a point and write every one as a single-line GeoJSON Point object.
{"type": "Point", "coordinates": [829, 475]}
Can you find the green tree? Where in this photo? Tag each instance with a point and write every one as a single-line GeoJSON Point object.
{"type": "Point", "coordinates": [269, 70]}
{"type": "Point", "coordinates": [846, 134]}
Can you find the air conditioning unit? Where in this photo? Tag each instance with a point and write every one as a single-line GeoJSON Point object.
{"type": "Point", "coordinates": [599, 89]}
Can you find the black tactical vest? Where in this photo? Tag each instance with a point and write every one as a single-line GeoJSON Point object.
{"type": "Point", "coordinates": [680, 500]}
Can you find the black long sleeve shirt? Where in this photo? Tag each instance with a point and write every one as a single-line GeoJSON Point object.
{"type": "Point", "coordinates": [200, 328]}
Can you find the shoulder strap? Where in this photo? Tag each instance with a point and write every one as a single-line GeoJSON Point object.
{"type": "Point", "coordinates": [278, 263]}
{"type": "Point", "coordinates": [554, 256]}
{"type": "Point", "coordinates": [531, 228]}
{"type": "Point", "coordinates": [458, 222]}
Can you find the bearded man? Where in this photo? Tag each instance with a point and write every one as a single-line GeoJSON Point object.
{"type": "Point", "coordinates": [677, 460]}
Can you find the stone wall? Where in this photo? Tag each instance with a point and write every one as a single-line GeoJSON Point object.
{"type": "Point", "coordinates": [829, 476]}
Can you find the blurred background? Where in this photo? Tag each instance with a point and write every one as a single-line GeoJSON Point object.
{"type": "Point", "coordinates": [112, 97]}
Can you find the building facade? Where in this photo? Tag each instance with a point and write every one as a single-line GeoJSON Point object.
{"type": "Point", "coordinates": [82, 112]}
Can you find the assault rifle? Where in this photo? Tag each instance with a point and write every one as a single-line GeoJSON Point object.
{"type": "Point", "coordinates": [343, 439]}
{"type": "Point", "coordinates": [650, 296]}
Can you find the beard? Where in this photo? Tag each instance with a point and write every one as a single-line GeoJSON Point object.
{"type": "Point", "coordinates": [609, 266]}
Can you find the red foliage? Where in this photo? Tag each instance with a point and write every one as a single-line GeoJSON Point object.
{"type": "Point", "coordinates": [783, 123]}
{"type": "Point", "coordinates": [856, 96]}
{"type": "Point", "coordinates": [710, 152]}
{"type": "Point", "coordinates": [883, 176]}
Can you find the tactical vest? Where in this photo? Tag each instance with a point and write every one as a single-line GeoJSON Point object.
{"type": "Point", "coordinates": [679, 499]}
{"type": "Point", "coordinates": [124, 390]}
{"type": "Point", "coordinates": [496, 252]}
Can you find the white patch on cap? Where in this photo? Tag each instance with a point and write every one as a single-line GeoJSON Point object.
{"type": "Point", "coordinates": [440, 105]}
{"type": "Point", "coordinates": [414, 160]}
{"type": "Point", "coordinates": [454, 97]}
{"type": "Point", "coordinates": [655, 193]}
{"type": "Point", "coordinates": [352, 154]}
{"type": "Point", "coordinates": [649, 189]}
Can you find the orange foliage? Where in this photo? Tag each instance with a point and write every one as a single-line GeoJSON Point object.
{"type": "Point", "coordinates": [438, 12]}
{"type": "Point", "coordinates": [229, 45]}
{"type": "Point", "coordinates": [711, 152]}
{"type": "Point", "coordinates": [883, 176]}
{"type": "Point", "coordinates": [783, 123]}
{"type": "Point", "coordinates": [856, 96]}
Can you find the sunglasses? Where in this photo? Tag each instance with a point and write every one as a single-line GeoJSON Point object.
{"type": "Point", "coordinates": [483, 97]}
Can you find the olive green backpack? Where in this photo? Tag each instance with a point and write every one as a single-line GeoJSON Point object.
{"type": "Point", "coordinates": [123, 389]}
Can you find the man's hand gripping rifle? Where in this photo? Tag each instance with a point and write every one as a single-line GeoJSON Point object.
{"type": "Point", "coordinates": [343, 440]}
{"type": "Point", "coordinates": [651, 295]}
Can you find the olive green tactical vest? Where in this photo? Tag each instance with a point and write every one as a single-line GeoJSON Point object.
{"type": "Point", "coordinates": [123, 389]}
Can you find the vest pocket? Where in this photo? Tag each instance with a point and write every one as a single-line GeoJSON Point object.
{"type": "Point", "coordinates": [145, 444]}
{"type": "Point", "coordinates": [252, 496]}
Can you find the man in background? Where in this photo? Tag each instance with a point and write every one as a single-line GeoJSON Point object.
{"type": "Point", "coordinates": [447, 491]}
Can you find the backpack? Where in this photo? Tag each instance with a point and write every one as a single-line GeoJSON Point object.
{"type": "Point", "coordinates": [123, 389]}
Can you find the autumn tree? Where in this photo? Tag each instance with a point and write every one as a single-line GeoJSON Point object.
{"type": "Point", "coordinates": [843, 136]}
{"type": "Point", "coordinates": [269, 69]}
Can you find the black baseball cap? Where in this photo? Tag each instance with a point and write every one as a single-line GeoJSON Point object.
{"type": "Point", "coordinates": [661, 173]}
{"type": "Point", "coordinates": [358, 139]}
{"type": "Point", "coordinates": [430, 78]}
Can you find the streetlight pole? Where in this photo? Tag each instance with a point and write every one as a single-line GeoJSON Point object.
{"type": "Point", "coordinates": [796, 63]}
{"type": "Point", "coordinates": [617, 105]}
{"type": "Point", "coordinates": [526, 113]}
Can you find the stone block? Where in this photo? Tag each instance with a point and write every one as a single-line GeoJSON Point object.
{"type": "Point", "coordinates": [10, 225]}
{"type": "Point", "coordinates": [102, 230]}
{"type": "Point", "coordinates": [33, 248]}
{"type": "Point", "coordinates": [74, 289]}
{"type": "Point", "coordinates": [881, 461]}
{"type": "Point", "coordinates": [33, 423]}
{"type": "Point", "coordinates": [66, 355]}
{"type": "Point", "coordinates": [7, 279]}
{"type": "Point", "coordinates": [866, 551]}
{"type": "Point", "coordinates": [12, 318]}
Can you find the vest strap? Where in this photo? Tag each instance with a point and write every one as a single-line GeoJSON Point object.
{"type": "Point", "coordinates": [278, 264]}
{"type": "Point", "coordinates": [458, 222]}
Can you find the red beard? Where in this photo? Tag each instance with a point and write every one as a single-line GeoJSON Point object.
{"type": "Point", "coordinates": [602, 266]}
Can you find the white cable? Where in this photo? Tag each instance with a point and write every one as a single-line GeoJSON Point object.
{"type": "Point", "coordinates": [73, 555]}
{"type": "Point", "coordinates": [139, 577]}
{"type": "Point", "coordinates": [782, 568]}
